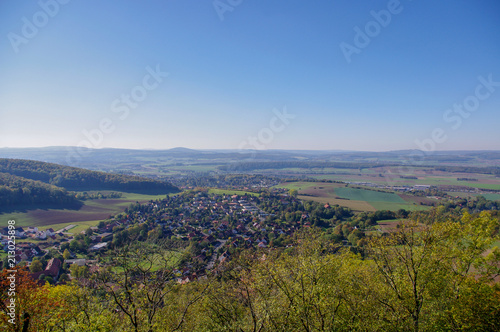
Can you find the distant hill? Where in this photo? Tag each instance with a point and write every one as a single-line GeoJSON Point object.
{"type": "Point", "coordinates": [101, 159]}
{"type": "Point", "coordinates": [164, 163]}
{"type": "Point", "coordinates": [183, 150]}
{"type": "Point", "coordinates": [78, 179]}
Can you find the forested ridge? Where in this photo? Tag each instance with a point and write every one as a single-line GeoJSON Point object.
{"type": "Point", "coordinates": [16, 190]}
{"type": "Point", "coordinates": [28, 182]}
{"type": "Point", "coordinates": [72, 178]}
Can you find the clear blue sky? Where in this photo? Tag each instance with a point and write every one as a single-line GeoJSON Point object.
{"type": "Point", "coordinates": [229, 67]}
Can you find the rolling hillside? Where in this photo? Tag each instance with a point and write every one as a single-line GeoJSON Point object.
{"type": "Point", "coordinates": [72, 178]}
{"type": "Point", "coordinates": [16, 190]}
{"type": "Point", "coordinates": [27, 182]}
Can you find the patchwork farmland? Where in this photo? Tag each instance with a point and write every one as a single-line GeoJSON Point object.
{"type": "Point", "coordinates": [358, 199]}
{"type": "Point", "coordinates": [89, 214]}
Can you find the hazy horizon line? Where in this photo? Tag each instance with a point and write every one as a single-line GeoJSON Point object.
{"type": "Point", "coordinates": [232, 149]}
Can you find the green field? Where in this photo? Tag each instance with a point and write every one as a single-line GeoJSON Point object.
{"type": "Point", "coordinates": [194, 168]}
{"type": "Point", "coordinates": [396, 206]}
{"type": "Point", "coordinates": [368, 195]}
{"type": "Point", "coordinates": [379, 200]}
{"type": "Point", "coordinates": [357, 199]}
{"type": "Point", "coordinates": [492, 197]}
{"type": "Point", "coordinates": [425, 176]}
{"type": "Point", "coordinates": [302, 185]}
{"type": "Point", "coordinates": [353, 205]}
{"type": "Point", "coordinates": [452, 181]}
{"type": "Point", "coordinates": [169, 169]}
{"type": "Point", "coordinates": [88, 215]}
{"type": "Point", "coordinates": [461, 194]}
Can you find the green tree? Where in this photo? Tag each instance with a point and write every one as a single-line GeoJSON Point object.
{"type": "Point", "coordinates": [63, 277]}
{"type": "Point", "coordinates": [79, 271]}
{"type": "Point", "coordinates": [66, 254]}
{"type": "Point", "coordinates": [425, 267]}
{"type": "Point", "coordinates": [36, 266]}
{"type": "Point", "coordinates": [142, 282]}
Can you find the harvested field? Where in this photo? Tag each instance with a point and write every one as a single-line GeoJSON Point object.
{"type": "Point", "coordinates": [390, 226]}
{"type": "Point", "coordinates": [354, 205]}
{"type": "Point", "coordinates": [91, 211]}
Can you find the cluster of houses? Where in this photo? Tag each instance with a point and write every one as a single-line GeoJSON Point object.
{"type": "Point", "coordinates": [217, 222]}
{"type": "Point", "coordinates": [237, 182]}
{"type": "Point", "coordinates": [24, 251]}
{"type": "Point", "coordinates": [244, 229]}
{"type": "Point", "coordinates": [53, 270]}
{"type": "Point", "coordinates": [34, 233]}
{"type": "Point", "coordinates": [27, 251]}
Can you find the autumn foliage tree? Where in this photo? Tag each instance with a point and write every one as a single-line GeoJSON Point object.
{"type": "Point", "coordinates": [34, 308]}
{"type": "Point", "coordinates": [424, 276]}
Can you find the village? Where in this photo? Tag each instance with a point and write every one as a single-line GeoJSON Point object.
{"type": "Point", "coordinates": [216, 225]}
